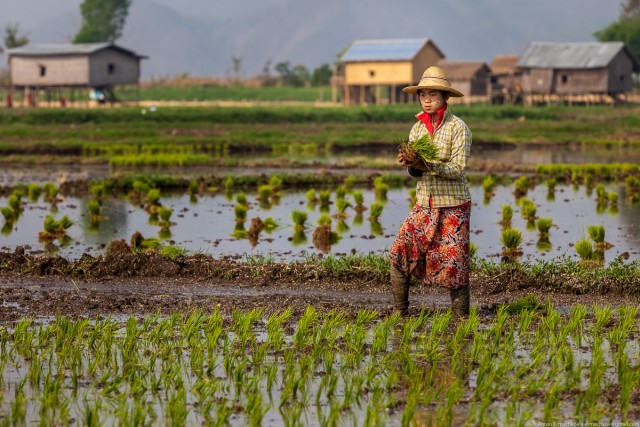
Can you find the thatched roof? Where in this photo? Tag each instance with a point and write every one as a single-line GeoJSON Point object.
{"type": "Point", "coordinates": [461, 70]}
{"type": "Point", "coordinates": [504, 64]}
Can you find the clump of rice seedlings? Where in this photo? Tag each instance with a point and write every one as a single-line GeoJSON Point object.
{"type": "Point", "coordinates": [311, 196]}
{"type": "Point", "coordinates": [153, 201]}
{"type": "Point", "coordinates": [544, 225]}
{"type": "Point", "coordinates": [299, 219]}
{"type": "Point", "coordinates": [141, 244]}
{"type": "Point", "coordinates": [240, 212]}
{"type": "Point", "coordinates": [358, 199]}
{"type": "Point", "coordinates": [528, 303]}
{"type": "Point", "coordinates": [632, 190]}
{"type": "Point", "coordinates": [54, 229]}
{"type": "Point", "coordinates": [270, 224]}
{"type": "Point", "coordinates": [15, 202]}
{"type": "Point", "coordinates": [349, 181]}
{"type": "Point", "coordinates": [165, 217]}
{"type": "Point", "coordinates": [95, 211]}
{"type": "Point", "coordinates": [380, 188]}
{"type": "Point", "coordinates": [341, 206]}
{"type": "Point", "coordinates": [325, 199]}
{"type": "Point", "coordinates": [602, 197]}
{"type": "Point", "coordinates": [424, 146]}
{"type": "Point", "coordinates": [51, 193]}
{"type": "Point", "coordinates": [528, 209]}
{"type": "Point", "coordinates": [584, 249]}
{"type": "Point", "coordinates": [98, 191]}
{"type": "Point", "coordinates": [511, 238]}
{"type": "Point", "coordinates": [473, 250]}
{"type": "Point", "coordinates": [194, 187]}
{"type": "Point", "coordinates": [489, 185]}
{"type": "Point", "coordinates": [275, 182]}
{"type": "Point", "coordinates": [229, 184]}
{"type": "Point", "coordinates": [375, 211]}
{"type": "Point", "coordinates": [597, 234]}
{"type": "Point", "coordinates": [521, 186]}
{"type": "Point", "coordinates": [241, 199]}
{"type": "Point", "coordinates": [341, 192]}
{"type": "Point", "coordinates": [265, 192]}
{"type": "Point", "coordinates": [507, 214]}
{"type": "Point", "coordinates": [612, 197]}
{"type": "Point", "coordinates": [551, 185]}
{"type": "Point", "coordinates": [139, 190]}
{"type": "Point", "coordinates": [10, 216]}
{"type": "Point", "coordinates": [174, 252]}
{"type": "Point", "coordinates": [34, 191]}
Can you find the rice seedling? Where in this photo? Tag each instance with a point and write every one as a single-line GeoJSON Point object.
{"type": "Point", "coordinates": [240, 212]}
{"type": "Point", "coordinates": [511, 239]}
{"type": "Point", "coordinates": [341, 206]}
{"type": "Point", "coordinates": [632, 188]}
{"type": "Point", "coordinates": [10, 216]}
{"type": "Point", "coordinates": [349, 182]}
{"type": "Point", "coordinates": [584, 249]}
{"type": "Point", "coordinates": [424, 146]}
{"type": "Point", "coordinates": [98, 191]}
{"type": "Point", "coordinates": [341, 192]}
{"type": "Point", "coordinates": [275, 182]}
{"type": "Point", "coordinates": [380, 188]}
{"type": "Point", "coordinates": [229, 183]}
{"type": "Point", "coordinates": [325, 199]}
{"type": "Point", "coordinates": [265, 192]}
{"type": "Point", "coordinates": [165, 217]}
{"type": "Point", "coordinates": [311, 196]}
{"type": "Point", "coordinates": [34, 191]}
{"type": "Point", "coordinates": [507, 214]}
{"type": "Point", "coordinates": [528, 209]}
{"type": "Point", "coordinates": [54, 229]}
{"type": "Point", "coordinates": [358, 198]}
{"type": "Point", "coordinates": [375, 211]}
{"type": "Point", "coordinates": [51, 193]}
{"type": "Point", "coordinates": [174, 252]}
{"type": "Point", "coordinates": [521, 187]}
{"type": "Point", "coordinates": [95, 210]}
{"type": "Point", "coordinates": [153, 201]}
{"type": "Point", "coordinates": [544, 225]}
{"type": "Point", "coordinates": [15, 203]}
{"type": "Point", "coordinates": [241, 199]}
{"type": "Point", "coordinates": [612, 197]}
{"type": "Point", "coordinates": [597, 234]}
{"type": "Point", "coordinates": [602, 196]}
{"type": "Point", "coordinates": [489, 185]}
{"type": "Point", "coordinates": [299, 219]}
{"type": "Point", "coordinates": [270, 224]}
{"type": "Point", "coordinates": [551, 185]}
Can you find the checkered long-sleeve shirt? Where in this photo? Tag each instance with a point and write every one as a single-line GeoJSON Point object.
{"type": "Point", "coordinates": [445, 181]}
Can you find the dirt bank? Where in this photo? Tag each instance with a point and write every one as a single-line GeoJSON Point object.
{"type": "Point", "coordinates": [122, 283]}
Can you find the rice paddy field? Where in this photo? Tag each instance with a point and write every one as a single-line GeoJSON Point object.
{"type": "Point", "coordinates": [228, 267]}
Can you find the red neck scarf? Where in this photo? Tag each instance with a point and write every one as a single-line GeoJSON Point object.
{"type": "Point", "coordinates": [426, 119]}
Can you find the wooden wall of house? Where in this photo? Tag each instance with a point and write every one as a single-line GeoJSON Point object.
{"type": "Point", "coordinates": [581, 81]}
{"type": "Point", "coordinates": [372, 73]}
{"type": "Point", "coordinates": [620, 71]}
{"type": "Point", "coordinates": [69, 70]}
{"type": "Point", "coordinates": [425, 58]}
{"type": "Point", "coordinates": [537, 80]}
{"type": "Point", "coordinates": [111, 67]}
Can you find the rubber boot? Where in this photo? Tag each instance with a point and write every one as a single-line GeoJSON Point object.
{"type": "Point", "coordinates": [460, 302]}
{"type": "Point", "coordinates": [400, 290]}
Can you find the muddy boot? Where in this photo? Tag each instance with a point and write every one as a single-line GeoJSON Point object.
{"type": "Point", "coordinates": [460, 302]}
{"type": "Point", "coordinates": [400, 291]}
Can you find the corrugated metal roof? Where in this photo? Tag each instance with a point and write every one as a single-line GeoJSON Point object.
{"type": "Point", "coordinates": [65, 49]}
{"type": "Point", "coordinates": [461, 70]}
{"type": "Point", "coordinates": [570, 55]}
{"type": "Point", "coordinates": [383, 50]}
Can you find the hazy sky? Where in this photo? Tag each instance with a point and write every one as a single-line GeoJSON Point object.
{"type": "Point", "coordinates": [201, 36]}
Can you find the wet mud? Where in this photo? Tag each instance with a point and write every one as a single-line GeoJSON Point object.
{"type": "Point", "coordinates": [124, 283]}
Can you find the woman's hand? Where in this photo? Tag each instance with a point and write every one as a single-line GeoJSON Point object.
{"type": "Point", "coordinates": [411, 159]}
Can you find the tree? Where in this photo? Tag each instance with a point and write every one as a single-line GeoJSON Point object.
{"type": "Point", "coordinates": [623, 30]}
{"type": "Point", "coordinates": [102, 20]}
{"type": "Point", "coordinates": [322, 75]}
{"type": "Point", "coordinates": [12, 39]}
{"type": "Point", "coordinates": [296, 77]}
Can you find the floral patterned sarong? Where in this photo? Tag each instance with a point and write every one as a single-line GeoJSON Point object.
{"type": "Point", "coordinates": [433, 245]}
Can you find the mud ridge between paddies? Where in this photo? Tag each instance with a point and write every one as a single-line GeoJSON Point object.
{"type": "Point", "coordinates": [120, 282]}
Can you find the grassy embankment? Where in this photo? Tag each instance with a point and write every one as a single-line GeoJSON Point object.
{"type": "Point", "coordinates": [211, 136]}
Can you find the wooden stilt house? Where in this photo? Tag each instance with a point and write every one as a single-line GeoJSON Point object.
{"type": "Point", "coordinates": [375, 71]}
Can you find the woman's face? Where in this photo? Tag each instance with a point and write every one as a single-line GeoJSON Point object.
{"type": "Point", "coordinates": [431, 100]}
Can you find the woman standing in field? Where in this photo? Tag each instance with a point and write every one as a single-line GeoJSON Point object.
{"type": "Point", "coordinates": [432, 243]}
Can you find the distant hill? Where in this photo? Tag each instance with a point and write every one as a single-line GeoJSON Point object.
{"type": "Point", "coordinates": [198, 37]}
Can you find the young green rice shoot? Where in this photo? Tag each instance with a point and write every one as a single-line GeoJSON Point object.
{"type": "Point", "coordinates": [299, 219]}
{"type": "Point", "coordinates": [544, 225]}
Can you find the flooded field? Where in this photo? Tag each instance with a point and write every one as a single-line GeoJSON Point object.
{"type": "Point", "coordinates": [208, 224]}
{"type": "Point", "coordinates": [325, 368]}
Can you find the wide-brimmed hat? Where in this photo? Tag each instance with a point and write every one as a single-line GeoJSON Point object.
{"type": "Point", "coordinates": [433, 78]}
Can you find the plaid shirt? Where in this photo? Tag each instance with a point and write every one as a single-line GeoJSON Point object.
{"type": "Point", "coordinates": [445, 181]}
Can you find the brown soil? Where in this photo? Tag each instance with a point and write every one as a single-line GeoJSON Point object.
{"type": "Point", "coordinates": [121, 282]}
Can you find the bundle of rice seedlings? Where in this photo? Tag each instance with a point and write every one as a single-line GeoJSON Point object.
{"type": "Point", "coordinates": [596, 232]}
{"type": "Point", "coordinates": [311, 196]}
{"type": "Point", "coordinates": [488, 184]}
{"type": "Point", "coordinates": [376, 211]}
{"type": "Point", "coordinates": [9, 215]}
{"type": "Point", "coordinates": [299, 219]}
{"type": "Point", "coordinates": [507, 214]}
{"type": "Point", "coordinates": [95, 209]}
{"type": "Point", "coordinates": [527, 303]}
{"type": "Point", "coordinates": [511, 238]}
{"type": "Point", "coordinates": [584, 249]}
{"type": "Point", "coordinates": [424, 146]}
{"type": "Point", "coordinates": [544, 225]}
{"type": "Point", "coordinates": [270, 224]}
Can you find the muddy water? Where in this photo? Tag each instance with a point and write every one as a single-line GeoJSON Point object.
{"type": "Point", "coordinates": [207, 225]}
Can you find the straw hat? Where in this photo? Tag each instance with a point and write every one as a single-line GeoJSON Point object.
{"type": "Point", "coordinates": [433, 78]}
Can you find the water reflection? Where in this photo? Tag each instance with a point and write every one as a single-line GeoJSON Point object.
{"type": "Point", "coordinates": [210, 225]}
